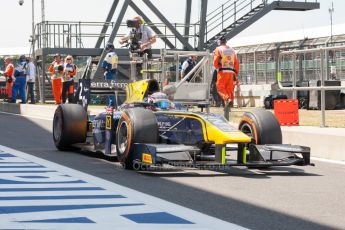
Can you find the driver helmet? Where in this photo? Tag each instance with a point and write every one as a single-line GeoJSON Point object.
{"type": "Point", "coordinates": [159, 100]}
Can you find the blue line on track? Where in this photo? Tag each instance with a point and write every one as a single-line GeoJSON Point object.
{"type": "Point", "coordinates": [50, 189]}
{"type": "Point", "coordinates": [156, 218]}
{"type": "Point", "coordinates": [3, 181]}
{"type": "Point", "coordinates": [75, 220]}
{"type": "Point", "coordinates": [6, 155]}
{"type": "Point", "coordinates": [47, 208]}
{"type": "Point", "coordinates": [22, 167]}
{"type": "Point", "coordinates": [33, 177]}
{"type": "Point", "coordinates": [13, 162]}
{"type": "Point", "coordinates": [42, 171]}
{"type": "Point", "coordinates": [68, 197]}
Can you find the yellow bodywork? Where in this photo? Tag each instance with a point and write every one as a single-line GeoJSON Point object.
{"type": "Point", "coordinates": [212, 133]}
{"type": "Point", "coordinates": [218, 136]}
{"type": "Point", "coordinates": [135, 91]}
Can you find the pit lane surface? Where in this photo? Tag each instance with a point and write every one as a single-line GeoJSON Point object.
{"type": "Point", "coordinates": [281, 198]}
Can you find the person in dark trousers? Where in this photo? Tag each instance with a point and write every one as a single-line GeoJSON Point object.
{"type": "Point", "coordinates": [70, 70]}
{"type": "Point", "coordinates": [20, 80]}
{"type": "Point", "coordinates": [217, 99]}
{"type": "Point", "coordinates": [187, 66]}
{"type": "Point", "coordinates": [30, 79]}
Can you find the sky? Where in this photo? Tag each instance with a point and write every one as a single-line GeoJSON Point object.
{"type": "Point", "coordinates": [15, 20]}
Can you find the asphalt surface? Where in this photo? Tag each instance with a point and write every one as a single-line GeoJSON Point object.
{"type": "Point", "coordinates": [280, 198]}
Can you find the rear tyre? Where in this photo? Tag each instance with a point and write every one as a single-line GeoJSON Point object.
{"type": "Point", "coordinates": [136, 125]}
{"type": "Point", "coordinates": [69, 126]}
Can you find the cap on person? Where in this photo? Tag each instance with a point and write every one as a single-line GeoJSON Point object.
{"type": "Point", "coordinates": [110, 46]}
{"type": "Point", "coordinates": [7, 59]}
{"type": "Point", "coordinates": [140, 19]}
{"type": "Point", "coordinates": [57, 55]}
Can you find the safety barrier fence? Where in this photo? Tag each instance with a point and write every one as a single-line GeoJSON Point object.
{"type": "Point", "coordinates": [261, 67]}
{"type": "Point", "coordinates": [70, 34]}
{"type": "Point", "coordinates": [324, 70]}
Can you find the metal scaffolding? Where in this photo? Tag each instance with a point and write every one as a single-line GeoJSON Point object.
{"type": "Point", "coordinates": [227, 20]}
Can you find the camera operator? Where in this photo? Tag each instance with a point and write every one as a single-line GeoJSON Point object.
{"type": "Point", "coordinates": [141, 36]}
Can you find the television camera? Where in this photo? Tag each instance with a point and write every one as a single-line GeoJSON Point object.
{"type": "Point", "coordinates": [134, 37]}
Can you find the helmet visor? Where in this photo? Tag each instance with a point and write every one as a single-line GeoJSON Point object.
{"type": "Point", "coordinates": [162, 104]}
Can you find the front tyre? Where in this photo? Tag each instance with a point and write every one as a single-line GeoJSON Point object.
{"type": "Point", "coordinates": [136, 125]}
{"type": "Point", "coordinates": [262, 126]}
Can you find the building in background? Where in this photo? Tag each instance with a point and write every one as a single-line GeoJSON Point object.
{"type": "Point", "coordinates": [259, 55]}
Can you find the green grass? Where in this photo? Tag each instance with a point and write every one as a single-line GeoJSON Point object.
{"type": "Point", "coordinates": [334, 118]}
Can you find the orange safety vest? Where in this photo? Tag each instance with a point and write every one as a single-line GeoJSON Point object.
{"type": "Point", "coordinates": [9, 70]}
{"type": "Point", "coordinates": [225, 59]}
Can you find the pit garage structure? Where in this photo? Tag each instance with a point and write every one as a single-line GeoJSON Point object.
{"type": "Point", "coordinates": [228, 20]}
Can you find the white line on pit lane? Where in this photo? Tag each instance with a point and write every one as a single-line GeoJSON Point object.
{"type": "Point", "coordinates": [29, 116]}
{"type": "Point", "coordinates": [104, 218]}
{"type": "Point", "coordinates": [328, 161]}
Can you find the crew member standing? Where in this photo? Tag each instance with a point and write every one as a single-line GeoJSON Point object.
{"type": "Point", "coordinates": [70, 69]}
{"type": "Point", "coordinates": [56, 69]}
{"type": "Point", "coordinates": [9, 77]}
{"type": "Point", "coordinates": [30, 79]}
{"type": "Point", "coordinates": [187, 66]}
{"type": "Point", "coordinates": [20, 80]}
{"type": "Point", "coordinates": [225, 60]}
{"type": "Point", "coordinates": [109, 65]}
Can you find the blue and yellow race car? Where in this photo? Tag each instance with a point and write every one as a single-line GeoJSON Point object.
{"type": "Point", "coordinates": [150, 131]}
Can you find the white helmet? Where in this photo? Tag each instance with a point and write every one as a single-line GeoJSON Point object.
{"type": "Point", "coordinates": [160, 100]}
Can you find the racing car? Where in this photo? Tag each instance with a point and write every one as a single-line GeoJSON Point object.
{"type": "Point", "coordinates": [147, 131]}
